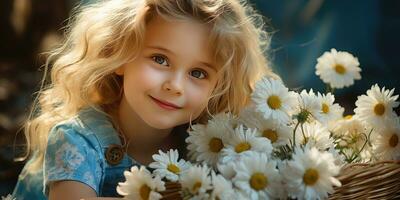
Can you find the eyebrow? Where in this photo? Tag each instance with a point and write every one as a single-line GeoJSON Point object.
{"type": "Point", "coordinates": [169, 51]}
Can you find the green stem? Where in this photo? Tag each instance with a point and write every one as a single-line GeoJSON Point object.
{"type": "Point", "coordinates": [367, 140]}
{"type": "Point", "coordinates": [294, 135]}
{"type": "Point", "coordinates": [329, 89]}
{"type": "Point", "coordinates": [302, 131]}
{"type": "Point", "coordinates": [362, 148]}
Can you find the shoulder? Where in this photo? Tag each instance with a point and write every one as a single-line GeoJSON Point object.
{"type": "Point", "coordinates": [74, 152]}
{"type": "Point", "coordinates": [70, 132]}
{"type": "Point", "coordinates": [69, 138]}
{"type": "Point", "coordinates": [89, 126]}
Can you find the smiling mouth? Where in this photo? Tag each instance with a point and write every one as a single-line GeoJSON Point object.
{"type": "Point", "coordinates": [164, 105]}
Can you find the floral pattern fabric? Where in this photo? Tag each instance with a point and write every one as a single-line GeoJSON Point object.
{"type": "Point", "coordinates": [71, 157]}
{"type": "Point", "coordinates": [75, 151]}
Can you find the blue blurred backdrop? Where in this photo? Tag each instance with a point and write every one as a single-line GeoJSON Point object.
{"type": "Point", "coordinates": [304, 29]}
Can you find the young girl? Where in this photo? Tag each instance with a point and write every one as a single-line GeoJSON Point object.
{"type": "Point", "coordinates": [129, 79]}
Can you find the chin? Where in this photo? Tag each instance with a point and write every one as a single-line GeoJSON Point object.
{"type": "Point", "coordinates": [161, 124]}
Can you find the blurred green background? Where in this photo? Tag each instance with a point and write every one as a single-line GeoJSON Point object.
{"type": "Point", "coordinates": [302, 31]}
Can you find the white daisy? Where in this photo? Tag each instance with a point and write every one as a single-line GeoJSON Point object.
{"type": "Point", "coordinates": [8, 197]}
{"type": "Point", "coordinates": [227, 169]}
{"type": "Point", "coordinates": [310, 108]}
{"type": "Point", "coordinates": [243, 141]}
{"type": "Point", "coordinates": [357, 150]}
{"type": "Point", "coordinates": [211, 142]}
{"type": "Point", "coordinates": [367, 155]}
{"type": "Point", "coordinates": [227, 119]}
{"type": "Point", "coordinates": [140, 184]}
{"type": "Point", "coordinates": [314, 134]}
{"type": "Point", "coordinates": [273, 100]}
{"type": "Point", "coordinates": [351, 136]}
{"type": "Point", "coordinates": [348, 125]}
{"type": "Point", "coordinates": [340, 159]}
{"type": "Point", "coordinates": [206, 142]}
{"type": "Point", "coordinates": [258, 177]}
{"type": "Point", "coordinates": [277, 134]}
{"type": "Point", "coordinates": [338, 69]}
{"type": "Point", "coordinates": [196, 181]}
{"type": "Point", "coordinates": [354, 140]}
{"type": "Point", "coordinates": [376, 108]}
{"type": "Point", "coordinates": [329, 111]}
{"type": "Point", "coordinates": [310, 174]}
{"type": "Point", "coordinates": [222, 188]}
{"type": "Point", "coordinates": [387, 143]}
{"type": "Point", "coordinates": [195, 131]}
{"type": "Point", "coordinates": [167, 165]}
{"type": "Point", "coordinates": [239, 194]}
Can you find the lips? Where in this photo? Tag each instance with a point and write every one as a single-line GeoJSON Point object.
{"type": "Point", "coordinates": [166, 104]}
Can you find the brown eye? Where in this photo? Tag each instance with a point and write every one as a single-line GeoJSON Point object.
{"type": "Point", "coordinates": [160, 60]}
{"type": "Point", "coordinates": [198, 74]}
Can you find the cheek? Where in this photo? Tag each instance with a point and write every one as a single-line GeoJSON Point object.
{"type": "Point", "coordinates": [198, 98]}
{"type": "Point", "coordinates": [143, 78]}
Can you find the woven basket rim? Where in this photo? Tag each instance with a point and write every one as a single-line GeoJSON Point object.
{"type": "Point", "coordinates": [370, 164]}
{"type": "Point", "coordinates": [373, 180]}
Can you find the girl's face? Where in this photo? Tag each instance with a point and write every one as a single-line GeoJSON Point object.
{"type": "Point", "coordinates": [175, 66]}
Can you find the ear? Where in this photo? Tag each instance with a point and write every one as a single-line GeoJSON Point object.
{"type": "Point", "coordinates": [120, 71]}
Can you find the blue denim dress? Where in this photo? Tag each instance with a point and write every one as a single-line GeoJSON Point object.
{"type": "Point", "coordinates": [76, 151]}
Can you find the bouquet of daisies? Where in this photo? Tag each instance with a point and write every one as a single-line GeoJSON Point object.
{"type": "Point", "coordinates": [286, 144]}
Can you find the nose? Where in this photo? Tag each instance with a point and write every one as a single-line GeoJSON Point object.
{"type": "Point", "coordinates": [175, 83]}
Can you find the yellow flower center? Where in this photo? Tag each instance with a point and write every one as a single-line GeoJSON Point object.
{"type": "Point", "coordinates": [340, 69]}
{"type": "Point", "coordinates": [271, 135]}
{"type": "Point", "coordinates": [258, 181]}
{"type": "Point", "coordinates": [394, 140]}
{"type": "Point", "coordinates": [325, 108]}
{"type": "Point", "coordinates": [311, 176]}
{"type": "Point", "coordinates": [144, 192]}
{"type": "Point", "coordinates": [196, 187]}
{"type": "Point", "coordinates": [379, 109]}
{"type": "Point", "coordinates": [348, 117]}
{"type": "Point", "coordinates": [173, 168]}
{"type": "Point", "coordinates": [215, 145]}
{"type": "Point", "coordinates": [244, 146]}
{"type": "Point", "coordinates": [274, 102]}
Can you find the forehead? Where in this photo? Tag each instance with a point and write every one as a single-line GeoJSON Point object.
{"type": "Point", "coordinates": [185, 38]}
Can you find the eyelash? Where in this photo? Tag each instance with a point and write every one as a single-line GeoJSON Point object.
{"type": "Point", "coordinates": [154, 57]}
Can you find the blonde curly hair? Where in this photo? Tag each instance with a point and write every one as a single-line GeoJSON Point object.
{"type": "Point", "coordinates": [104, 35]}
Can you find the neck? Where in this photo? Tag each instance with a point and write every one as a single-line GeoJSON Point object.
{"type": "Point", "coordinates": [143, 140]}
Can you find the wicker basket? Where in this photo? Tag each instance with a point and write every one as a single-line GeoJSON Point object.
{"type": "Point", "coordinates": [172, 192]}
{"type": "Point", "coordinates": [380, 180]}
